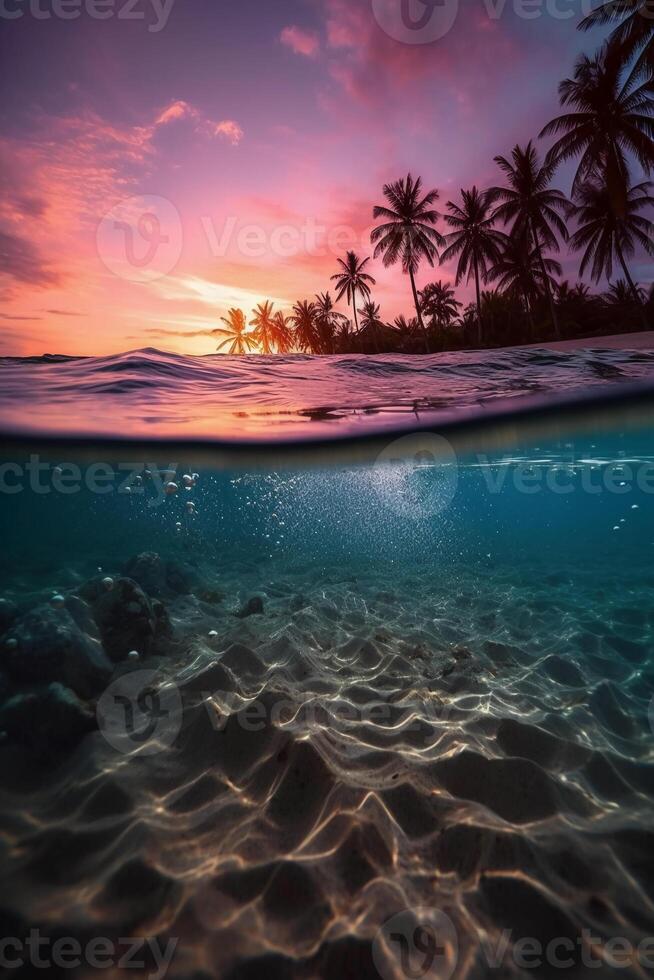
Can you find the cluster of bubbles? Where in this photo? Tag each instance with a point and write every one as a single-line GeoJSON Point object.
{"type": "Point", "coordinates": [172, 488]}
{"type": "Point", "coordinates": [172, 485]}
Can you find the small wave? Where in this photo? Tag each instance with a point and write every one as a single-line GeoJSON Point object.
{"type": "Point", "coordinates": [280, 396]}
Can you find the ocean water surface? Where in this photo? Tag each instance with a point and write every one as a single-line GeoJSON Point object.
{"type": "Point", "coordinates": [149, 393]}
{"type": "Point", "coordinates": [377, 710]}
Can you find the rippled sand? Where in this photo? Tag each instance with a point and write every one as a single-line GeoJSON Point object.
{"type": "Point", "coordinates": [374, 741]}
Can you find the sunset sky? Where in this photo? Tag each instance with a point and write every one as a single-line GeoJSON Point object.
{"type": "Point", "coordinates": [284, 116]}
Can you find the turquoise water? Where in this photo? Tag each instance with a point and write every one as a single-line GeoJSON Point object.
{"type": "Point", "coordinates": [446, 643]}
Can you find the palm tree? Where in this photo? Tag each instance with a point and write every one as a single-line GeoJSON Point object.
{"type": "Point", "coordinates": [621, 293]}
{"type": "Point", "coordinates": [474, 240]}
{"type": "Point", "coordinates": [406, 328]}
{"type": "Point", "coordinates": [263, 321]}
{"type": "Point", "coordinates": [408, 233]}
{"type": "Point", "coordinates": [518, 273]}
{"type": "Point", "coordinates": [343, 337]}
{"type": "Point", "coordinates": [236, 325]}
{"type": "Point", "coordinates": [370, 321]}
{"type": "Point", "coordinates": [634, 35]}
{"type": "Point", "coordinates": [603, 234]}
{"type": "Point", "coordinates": [327, 321]}
{"type": "Point", "coordinates": [439, 304]}
{"type": "Point", "coordinates": [532, 207]}
{"type": "Point", "coordinates": [281, 333]}
{"type": "Point", "coordinates": [352, 281]}
{"type": "Point", "coordinates": [610, 120]}
{"type": "Point", "coordinates": [305, 328]}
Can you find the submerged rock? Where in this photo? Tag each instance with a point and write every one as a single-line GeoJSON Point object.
{"type": "Point", "coordinates": [47, 719]}
{"type": "Point", "coordinates": [149, 571]}
{"type": "Point", "coordinates": [82, 614]}
{"type": "Point", "coordinates": [48, 645]}
{"type": "Point", "coordinates": [129, 620]}
{"type": "Point", "coordinates": [158, 577]}
{"type": "Point", "coordinates": [253, 607]}
{"type": "Point", "coordinates": [8, 613]}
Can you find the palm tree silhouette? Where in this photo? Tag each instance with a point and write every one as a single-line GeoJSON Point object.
{"type": "Point", "coordinates": [281, 333]}
{"type": "Point", "coordinates": [327, 321]}
{"type": "Point", "coordinates": [352, 281]}
{"type": "Point", "coordinates": [406, 328]}
{"type": "Point", "coordinates": [620, 293]}
{"type": "Point", "coordinates": [235, 334]}
{"type": "Point", "coordinates": [370, 321]}
{"type": "Point", "coordinates": [439, 304]}
{"type": "Point", "coordinates": [408, 233]}
{"type": "Point", "coordinates": [634, 35]}
{"type": "Point", "coordinates": [519, 273]}
{"type": "Point", "coordinates": [603, 234]}
{"type": "Point", "coordinates": [532, 207]}
{"type": "Point", "coordinates": [609, 121]}
{"type": "Point", "coordinates": [263, 321]}
{"type": "Point", "coordinates": [474, 241]}
{"type": "Point", "coordinates": [305, 328]}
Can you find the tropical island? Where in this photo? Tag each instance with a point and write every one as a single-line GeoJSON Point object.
{"type": "Point", "coordinates": [507, 238]}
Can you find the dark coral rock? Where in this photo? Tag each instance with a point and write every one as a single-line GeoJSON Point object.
{"type": "Point", "coordinates": [48, 645]}
{"type": "Point", "coordinates": [82, 613]}
{"type": "Point", "coordinates": [149, 571]}
{"type": "Point", "coordinates": [8, 613]}
{"type": "Point", "coordinates": [158, 577]}
{"type": "Point", "coordinates": [128, 620]}
{"type": "Point", "coordinates": [49, 719]}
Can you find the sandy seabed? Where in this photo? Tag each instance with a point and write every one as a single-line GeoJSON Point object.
{"type": "Point", "coordinates": [469, 753]}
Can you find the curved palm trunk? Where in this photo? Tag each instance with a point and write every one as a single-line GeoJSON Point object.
{"type": "Point", "coordinates": [530, 316]}
{"type": "Point", "coordinates": [418, 311]}
{"type": "Point", "coordinates": [478, 291]}
{"type": "Point", "coordinates": [375, 338]}
{"type": "Point", "coordinates": [546, 282]}
{"type": "Point", "coordinates": [632, 284]}
{"type": "Point", "coordinates": [354, 310]}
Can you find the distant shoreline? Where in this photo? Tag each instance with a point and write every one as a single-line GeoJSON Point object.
{"type": "Point", "coordinates": [640, 340]}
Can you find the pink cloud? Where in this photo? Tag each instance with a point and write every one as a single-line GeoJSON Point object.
{"type": "Point", "coordinates": [300, 41]}
{"type": "Point", "coordinates": [176, 110]}
{"type": "Point", "coordinates": [180, 110]}
{"type": "Point", "coordinates": [230, 130]}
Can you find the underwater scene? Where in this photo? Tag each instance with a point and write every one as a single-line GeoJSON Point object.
{"type": "Point", "coordinates": [377, 711]}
